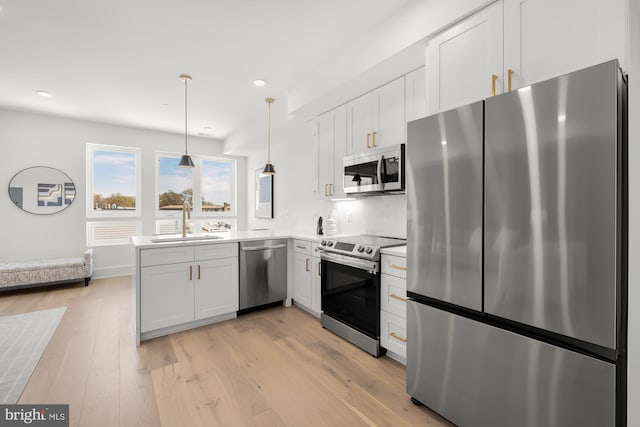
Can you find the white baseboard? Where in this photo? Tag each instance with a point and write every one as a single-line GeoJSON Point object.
{"type": "Point", "coordinates": [115, 271]}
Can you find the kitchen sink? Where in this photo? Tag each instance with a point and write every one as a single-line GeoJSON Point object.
{"type": "Point", "coordinates": [161, 238]}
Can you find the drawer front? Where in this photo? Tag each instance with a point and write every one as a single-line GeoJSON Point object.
{"type": "Point", "coordinates": [393, 333]}
{"type": "Point", "coordinates": [224, 250]}
{"type": "Point", "coordinates": [302, 247]}
{"type": "Point", "coordinates": [394, 295]}
{"type": "Point", "coordinates": [162, 256]}
{"type": "Point", "coordinates": [394, 265]}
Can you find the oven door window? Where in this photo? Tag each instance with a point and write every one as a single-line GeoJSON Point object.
{"type": "Point", "coordinates": [351, 295]}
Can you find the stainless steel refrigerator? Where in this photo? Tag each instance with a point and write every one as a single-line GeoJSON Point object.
{"type": "Point", "coordinates": [517, 255]}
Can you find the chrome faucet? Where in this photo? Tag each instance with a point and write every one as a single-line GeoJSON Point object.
{"type": "Point", "coordinates": [186, 214]}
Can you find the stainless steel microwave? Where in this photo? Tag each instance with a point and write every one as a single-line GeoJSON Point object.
{"type": "Point", "coordinates": [374, 171]}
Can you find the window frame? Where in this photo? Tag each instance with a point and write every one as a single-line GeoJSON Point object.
{"type": "Point", "coordinates": [197, 212]}
{"type": "Point", "coordinates": [91, 213]}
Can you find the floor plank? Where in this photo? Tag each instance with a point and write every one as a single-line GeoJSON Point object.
{"type": "Point", "coordinates": [275, 367]}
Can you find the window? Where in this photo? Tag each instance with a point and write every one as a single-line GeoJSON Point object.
{"type": "Point", "coordinates": [209, 187]}
{"type": "Point", "coordinates": [113, 181]}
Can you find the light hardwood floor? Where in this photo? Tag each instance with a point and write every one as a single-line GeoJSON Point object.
{"type": "Point", "coordinates": [275, 367]}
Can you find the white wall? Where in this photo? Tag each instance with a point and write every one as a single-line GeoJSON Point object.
{"type": "Point", "coordinates": [33, 139]}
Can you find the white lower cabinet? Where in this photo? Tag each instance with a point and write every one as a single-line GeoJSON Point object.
{"type": "Point", "coordinates": [316, 293]}
{"type": "Point", "coordinates": [166, 296]}
{"type": "Point", "coordinates": [302, 273]}
{"type": "Point", "coordinates": [393, 306]}
{"type": "Point", "coordinates": [306, 264]}
{"type": "Point", "coordinates": [216, 287]}
{"type": "Point", "coordinates": [393, 333]}
{"type": "Point", "coordinates": [174, 292]}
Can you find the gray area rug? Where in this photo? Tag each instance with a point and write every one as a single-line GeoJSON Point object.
{"type": "Point", "coordinates": [23, 338]}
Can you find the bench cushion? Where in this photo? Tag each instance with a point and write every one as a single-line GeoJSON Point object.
{"type": "Point", "coordinates": [44, 271]}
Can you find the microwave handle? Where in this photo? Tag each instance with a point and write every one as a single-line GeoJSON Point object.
{"type": "Point", "coordinates": [379, 171]}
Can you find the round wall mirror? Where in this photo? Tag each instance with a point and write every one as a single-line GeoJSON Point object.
{"type": "Point", "coordinates": [41, 190]}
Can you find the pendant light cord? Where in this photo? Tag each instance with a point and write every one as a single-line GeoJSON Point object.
{"type": "Point", "coordinates": [185, 116]}
{"type": "Point", "coordinates": [269, 135]}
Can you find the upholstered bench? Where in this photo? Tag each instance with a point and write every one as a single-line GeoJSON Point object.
{"type": "Point", "coordinates": [46, 272]}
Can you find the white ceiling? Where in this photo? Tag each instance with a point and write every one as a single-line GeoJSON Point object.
{"type": "Point", "coordinates": [117, 61]}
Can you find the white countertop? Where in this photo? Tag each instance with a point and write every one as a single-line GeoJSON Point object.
{"type": "Point", "coordinates": [396, 250]}
{"type": "Point", "coordinates": [141, 242]}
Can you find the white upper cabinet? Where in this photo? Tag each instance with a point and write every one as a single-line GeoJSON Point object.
{"type": "Point", "coordinates": [377, 118]}
{"type": "Point", "coordinates": [331, 140]}
{"type": "Point", "coordinates": [462, 61]}
{"type": "Point", "coordinates": [514, 43]}
{"type": "Point", "coordinates": [547, 38]}
{"type": "Point", "coordinates": [415, 85]}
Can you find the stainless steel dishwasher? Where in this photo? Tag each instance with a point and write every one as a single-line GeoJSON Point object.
{"type": "Point", "coordinates": [263, 272]}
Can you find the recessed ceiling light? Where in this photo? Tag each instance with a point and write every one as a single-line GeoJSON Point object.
{"type": "Point", "coordinates": [44, 93]}
{"type": "Point", "coordinates": [259, 83]}
{"type": "Point", "coordinates": [207, 128]}
{"type": "Point", "coordinates": [164, 105]}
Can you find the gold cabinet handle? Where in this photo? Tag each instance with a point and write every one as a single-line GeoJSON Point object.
{"type": "Point", "coordinates": [307, 264]}
{"type": "Point", "coordinates": [398, 267]}
{"type": "Point", "coordinates": [398, 337]}
{"type": "Point", "coordinates": [368, 143]}
{"type": "Point", "coordinates": [399, 297]}
{"type": "Point", "coordinates": [326, 189]}
{"type": "Point", "coordinates": [373, 138]}
{"type": "Point", "coordinates": [493, 84]}
{"type": "Point", "coordinates": [301, 247]}
{"type": "Point", "coordinates": [319, 266]}
{"type": "Point", "coordinates": [509, 74]}
{"type": "Point", "coordinates": [198, 271]}
{"type": "Point", "coordinates": [190, 272]}
{"type": "Point", "coordinates": [331, 189]}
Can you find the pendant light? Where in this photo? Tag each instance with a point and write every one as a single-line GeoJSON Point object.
{"type": "Point", "coordinates": [268, 168]}
{"type": "Point", "coordinates": [185, 160]}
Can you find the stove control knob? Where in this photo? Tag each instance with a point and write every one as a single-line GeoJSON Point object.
{"type": "Point", "coordinates": [323, 243]}
{"type": "Point", "coordinates": [360, 248]}
{"type": "Point", "coordinates": [369, 250]}
{"type": "Point", "coordinates": [329, 243]}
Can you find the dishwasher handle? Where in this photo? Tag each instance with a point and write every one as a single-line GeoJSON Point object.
{"type": "Point", "coordinates": [262, 248]}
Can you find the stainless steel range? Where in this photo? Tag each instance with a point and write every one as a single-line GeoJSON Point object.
{"type": "Point", "coordinates": [351, 288]}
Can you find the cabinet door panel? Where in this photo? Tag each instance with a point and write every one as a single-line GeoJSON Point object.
{"type": "Point", "coordinates": [415, 94]}
{"type": "Point", "coordinates": [339, 149]}
{"type": "Point", "coordinates": [461, 61]}
{"type": "Point", "coordinates": [547, 38]}
{"type": "Point", "coordinates": [360, 121]}
{"type": "Point", "coordinates": [216, 287]}
{"type": "Point", "coordinates": [302, 287]}
{"type": "Point", "coordinates": [325, 153]}
{"type": "Point", "coordinates": [389, 118]}
{"type": "Point", "coordinates": [316, 292]}
{"type": "Point", "coordinates": [166, 296]}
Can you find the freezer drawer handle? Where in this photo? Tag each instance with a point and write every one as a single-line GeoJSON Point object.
{"type": "Point", "coordinates": [398, 337]}
{"type": "Point", "coordinates": [399, 297]}
{"type": "Point", "coordinates": [265, 248]}
{"type": "Point", "coordinates": [398, 267]}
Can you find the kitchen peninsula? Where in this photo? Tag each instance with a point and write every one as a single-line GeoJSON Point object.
{"type": "Point", "coordinates": [183, 283]}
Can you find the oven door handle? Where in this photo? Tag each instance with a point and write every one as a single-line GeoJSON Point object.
{"type": "Point", "coordinates": [362, 264]}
